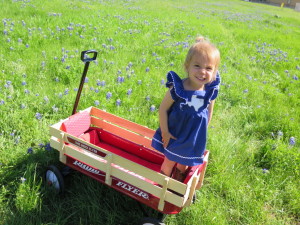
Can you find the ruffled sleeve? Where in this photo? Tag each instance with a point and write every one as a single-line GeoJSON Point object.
{"type": "Point", "coordinates": [213, 88]}
{"type": "Point", "coordinates": [175, 83]}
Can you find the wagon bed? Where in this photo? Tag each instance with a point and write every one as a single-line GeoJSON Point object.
{"type": "Point", "coordinates": [118, 153]}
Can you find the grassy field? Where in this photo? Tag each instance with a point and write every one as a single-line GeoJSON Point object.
{"type": "Point", "coordinates": [253, 175]}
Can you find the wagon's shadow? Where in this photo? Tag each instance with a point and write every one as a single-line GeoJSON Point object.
{"type": "Point", "coordinates": [85, 201]}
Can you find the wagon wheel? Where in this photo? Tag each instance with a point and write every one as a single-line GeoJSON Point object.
{"type": "Point", "coordinates": [150, 221]}
{"type": "Point", "coordinates": [54, 179]}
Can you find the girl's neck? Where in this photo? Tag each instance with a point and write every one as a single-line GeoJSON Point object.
{"type": "Point", "coordinates": [189, 86]}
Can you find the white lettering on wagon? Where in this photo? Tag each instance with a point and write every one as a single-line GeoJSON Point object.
{"type": "Point", "coordinates": [86, 167]}
{"type": "Point", "coordinates": [86, 147]}
{"type": "Point", "coordinates": [132, 189]}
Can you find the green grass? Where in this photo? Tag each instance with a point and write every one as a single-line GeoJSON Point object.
{"type": "Point", "coordinates": [253, 175]}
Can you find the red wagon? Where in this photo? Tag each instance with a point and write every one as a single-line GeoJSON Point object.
{"type": "Point", "coordinates": [118, 153]}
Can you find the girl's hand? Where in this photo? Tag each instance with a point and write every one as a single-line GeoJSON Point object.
{"type": "Point", "coordinates": [166, 136]}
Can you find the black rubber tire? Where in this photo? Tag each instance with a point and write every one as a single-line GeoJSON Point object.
{"type": "Point", "coordinates": [55, 179]}
{"type": "Point", "coordinates": [150, 221]}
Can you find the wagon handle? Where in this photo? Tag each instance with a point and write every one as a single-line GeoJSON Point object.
{"type": "Point", "coordinates": [86, 61]}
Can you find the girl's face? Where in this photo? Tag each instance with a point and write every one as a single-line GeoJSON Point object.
{"type": "Point", "coordinates": [201, 70]}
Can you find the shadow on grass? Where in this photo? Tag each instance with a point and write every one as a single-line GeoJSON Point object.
{"type": "Point", "coordinates": [85, 200]}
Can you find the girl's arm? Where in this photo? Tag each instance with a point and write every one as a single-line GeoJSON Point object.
{"type": "Point", "coordinates": [210, 111]}
{"type": "Point", "coordinates": [165, 105]}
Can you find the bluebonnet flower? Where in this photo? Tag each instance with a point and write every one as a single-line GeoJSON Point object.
{"type": "Point", "coordinates": [68, 67]}
{"type": "Point", "coordinates": [162, 82]}
{"type": "Point", "coordinates": [152, 108]}
{"type": "Point", "coordinates": [91, 88]}
{"type": "Point", "coordinates": [96, 90]}
{"type": "Point", "coordinates": [48, 147]}
{"type": "Point", "coordinates": [147, 69]}
{"type": "Point", "coordinates": [2, 102]}
{"type": "Point", "coordinates": [86, 80]}
{"type": "Point", "coordinates": [118, 102]}
{"type": "Point", "coordinates": [120, 79]}
{"type": "Point", "coordinates": [295, 77]}
{"type": "Point", "coordinates": [97, 102]}
{"type": "Point", "coordinates": [143, 60]}
{"type": "Point", "coordinates": [245, 91]}
{"type": "Point", "coordinates": [265, 170]}
{"type": "Point", "coordinates": [75, 89]}
{"type": "Point", "coordinates": [66, 91]}
{"type": "Point", "coordinates": [101, 83]}
{"type": "Point", "coordinates": [26, 91]}
{"type": "Point", "coordinates": [292, 141]}
{"type": "Point", "coordinates": [108, 95]}
{"type": "Point", "coordinates": [41, 145]}
{"type": "Point", "coordinates": [38, 116]}
{"type": "Point", "coordinates": [8, 39]}
{"type": "Point", "coordinates": [139, 82]}
{"type": "Point", "coordinates": [129, 92]}
{"type": "Point", "coordinates": [23, 106]}
{"type": "Point", "coordinates": [24, 83]}
{"type": "Point", "coordinates": [56, 79]}
{"type": "Point", "coordinates": [23, 179]}
{"type": "Point", "coordinates": [147, 98]}
{"type": "Point", "coordinates": [279, 133]}
{"type": "Point", "coordinates": [29, 150]}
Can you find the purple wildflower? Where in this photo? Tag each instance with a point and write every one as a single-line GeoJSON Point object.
{"type": "Point", "coordinates": [29, 150]}
{"type": "Point", "coordinates": [24, 83]}
{"type": "Point", "coordinates": [2, 102]}
{"type": "Point", "coordinates": [108, 95]}
{"type": "Point", "coordinates": [38, 116]}
{"type": "Point", "coordinates": [96, 102]}
{"type": "Point", "coordinates": [147, 98]}
{"type": "Point", "coordinates": [118, 102]}
{"type": "Point", "coordinates": [129, 92]}
{"type": "Point", "coordinates": [23, 179]}
{"type": "Point", "coordinates": [86, 80]}
{"type": "Point", "coordinates": [265, 170]}
{"type": "Point", "coordinates": [292, 141]}
{"type": "Point", "coordinates": [48, 147]}
{"type": "Point", "coordinates": [147, 69]}
{"type": "Point", "coordinates": [120, 79]}
{"type": "Point", "coordinates": [152, 108]}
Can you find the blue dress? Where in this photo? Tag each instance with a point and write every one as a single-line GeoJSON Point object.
{"type": "Point", "coordinates": [187, 121]}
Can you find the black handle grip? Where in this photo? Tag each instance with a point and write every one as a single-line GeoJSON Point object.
{"type": "Point", "coordinates": [83, 53]}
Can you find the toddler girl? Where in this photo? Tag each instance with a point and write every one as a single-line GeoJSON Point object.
{"type": "Point", "coordinates": [187, 109]}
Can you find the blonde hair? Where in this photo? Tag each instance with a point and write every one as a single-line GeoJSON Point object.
{"type": "Point", "coordinates": [205, 48]}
